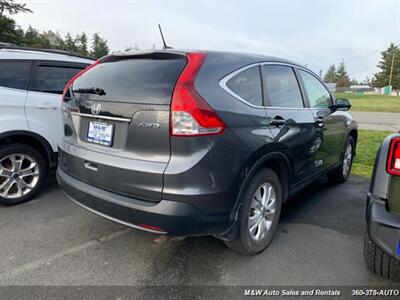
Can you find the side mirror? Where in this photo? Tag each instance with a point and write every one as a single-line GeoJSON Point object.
{"type": "Point", "coordinates": [342, 104]}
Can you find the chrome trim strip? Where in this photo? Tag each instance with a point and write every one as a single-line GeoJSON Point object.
{"type": "Point", "coordinates": [295, 108]}
{"type": "Point", "coordinates": [224, 80]}
{"type": "Point", "coordinates": [114, 219]}
{"type": "Point", "coordinates": [101, 117]}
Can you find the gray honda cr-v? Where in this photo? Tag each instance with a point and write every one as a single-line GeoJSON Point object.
{"type": "Point", "coordinates": [197, 143]}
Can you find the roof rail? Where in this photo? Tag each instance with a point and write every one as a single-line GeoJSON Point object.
{"type": "Point", "coordinates": [54, 51]}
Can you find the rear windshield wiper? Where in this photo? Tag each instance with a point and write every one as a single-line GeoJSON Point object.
{"type": "Point", "coordinates": [93, 90]}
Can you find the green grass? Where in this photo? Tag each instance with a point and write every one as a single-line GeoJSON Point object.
{"type": "Point", "coordinates": [367, 146]}
{"type": "Point", "coordinates": [376, 103]}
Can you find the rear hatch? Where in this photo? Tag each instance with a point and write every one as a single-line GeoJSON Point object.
{"type": "Point", "coordinates": [116, 123]}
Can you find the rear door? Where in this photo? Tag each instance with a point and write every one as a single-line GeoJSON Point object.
{"type": "Point", "coordinates": [14, 79]}
{"type": "Point", "coordinates": [119, 125]}
{"type": "Point", "coordinates": [290, 121]}
{"type": "Point", "coordinates": [331, 126]}
{"type": "Point", "coordinates": [43, 101]}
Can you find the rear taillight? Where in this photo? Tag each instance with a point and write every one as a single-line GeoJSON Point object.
{"type": "Point", "coordinates": [393, 162]}
{"type": "Point", "coordinates": [190, 113]}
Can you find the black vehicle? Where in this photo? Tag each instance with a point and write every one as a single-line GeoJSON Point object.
{"type": "Point", "coordinates": [382, 240]}
{"type": "Point", "coordinates": [200, 143]}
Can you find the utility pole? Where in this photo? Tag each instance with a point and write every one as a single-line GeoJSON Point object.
{"type": "Point", "coordinates": [391, 68]}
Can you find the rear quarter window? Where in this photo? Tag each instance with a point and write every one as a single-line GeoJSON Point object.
{"type": "Point", "coordinates": [15, 74]}
{"type": "Point", "coordinates": [149, 81]}
{"type": "Point", "coordinates": [247, 85]}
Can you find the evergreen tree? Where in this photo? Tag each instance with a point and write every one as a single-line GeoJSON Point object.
{"type": "Point", "coordinates": [330, 75]}
{"type": "Point", "coordinates": [69, 43]}
{"type": "Point", "coordinates": [52, 40]}
{"type": "Point", "coordinates": [12, 8]}
{"type": "Point", "coordinates": [343, 79]}
{"type": "Point", "coordinates": [99, 46]}
{"type": "Point", "coordinates": [82, 44]}
{"type": "Point", "coordinates": [367, 81]}
{"type": "Point", "coordinates": [9, 31]}
{"type": "Point", "coordinates": [381, 78]}
{"type": "Point", "coordinates": [31, 38]}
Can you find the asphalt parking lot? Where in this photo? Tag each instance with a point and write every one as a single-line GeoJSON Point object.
{"type": "Point", "coordinates": [377, 120]}
{"type": "Point", "coordinates": [51, 241]}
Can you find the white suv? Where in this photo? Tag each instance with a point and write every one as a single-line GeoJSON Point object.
{"type": "Point", "coordinates": [31, 84]}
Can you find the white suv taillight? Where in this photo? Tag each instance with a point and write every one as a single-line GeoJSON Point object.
{"type": "Point", "coordinates": [190, 113]}
{"type": "Point", "coordinates": [393, 162]}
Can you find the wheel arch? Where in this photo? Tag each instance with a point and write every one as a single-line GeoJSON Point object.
{"type": "Point", "coordinates": [31, 139]}
{"type": "Point", "coordinates": [279, 163]}
{"type": "Point", "coordinates": [354, 134]}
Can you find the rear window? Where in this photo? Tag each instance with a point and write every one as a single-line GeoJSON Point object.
{"type": "Point", "coordinates": [149, 81]}
{"type": "Point", "coordinates": [51, 79]}
{"type": "Point", "coordinates": [14, 74]}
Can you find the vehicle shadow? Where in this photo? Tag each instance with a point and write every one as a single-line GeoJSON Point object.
{"type": "Point", "coordinates": [339, 207]}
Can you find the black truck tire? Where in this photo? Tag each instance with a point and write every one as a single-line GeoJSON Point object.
{"type": "Point", "coordinates": [379, 261]}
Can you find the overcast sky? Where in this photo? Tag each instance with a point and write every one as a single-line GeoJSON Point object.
{"type": "Point", "coordinates": [316, 33]}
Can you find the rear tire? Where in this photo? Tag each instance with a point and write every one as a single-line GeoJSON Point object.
{"type": "Point", "coordinates": [259, 216]}
{"type": "Point", "coordinates": [22, 173]}
{"type": "Point", "coordinates": [380, 262]}
{"type": "Point", "coordinates": [342, 172]}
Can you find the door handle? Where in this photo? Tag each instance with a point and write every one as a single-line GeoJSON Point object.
{"type": "Point", "coordinates": [277, 121]}
{"type": "Point", "coordinates": [319, 122]}
{"type": "Point", "coordinates": [46, 106]}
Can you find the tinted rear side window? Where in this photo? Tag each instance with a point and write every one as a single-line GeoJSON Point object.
{"type": "Point", "coordinates": [14, 74]}
{"type": "Point", "coordinates": [52, 79]}
{"type": "Point", "coordinates": [133, 80]}
{"type": "Point", "coordinates": [247, 85]}
{"type": "Point", "coordinates": [282, 87]}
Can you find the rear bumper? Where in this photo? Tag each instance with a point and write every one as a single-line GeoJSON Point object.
{"type": "Point", "coordinates": [172, 217]}
{"type": "Point", "coordinates": [383, 226]}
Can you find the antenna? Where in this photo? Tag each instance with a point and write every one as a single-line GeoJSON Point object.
{"type": "Point", "coordinates": [162, 36]}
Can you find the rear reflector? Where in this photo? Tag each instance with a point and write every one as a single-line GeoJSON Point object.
{"type": "Point", "coordinates": [190, 113]}
{"type": "Point", "coordinates": [152, 228]}
{"type": "Point", "coordinates": [393, 162]}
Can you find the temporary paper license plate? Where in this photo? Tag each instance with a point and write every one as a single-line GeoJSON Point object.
{"type": "Point", "coordinates": [100, 133]}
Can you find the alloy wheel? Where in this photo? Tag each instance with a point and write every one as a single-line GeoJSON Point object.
{"type": "Point", "coordinates": [347, 159]}
{"type": "Point", "coordinates": [19, 175]}
{"type": "Point", "coordinates": [262, 211]}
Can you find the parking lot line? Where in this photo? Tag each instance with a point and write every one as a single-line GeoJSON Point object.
{"type": "Point", "coordinates": [47, 260]}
